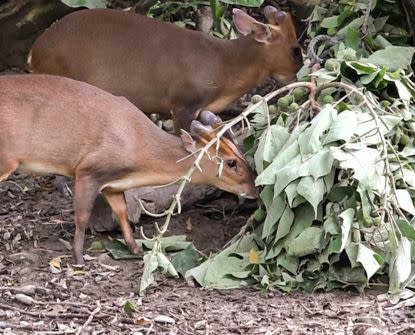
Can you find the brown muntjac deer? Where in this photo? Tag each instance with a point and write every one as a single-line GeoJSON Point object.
{"type": "Point", "coordinates": [56, 125]}
{"type": "Point", "coordinates": [162, 68]}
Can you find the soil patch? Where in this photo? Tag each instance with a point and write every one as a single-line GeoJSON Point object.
{"type": "Point", "coordinates": [36, 226]}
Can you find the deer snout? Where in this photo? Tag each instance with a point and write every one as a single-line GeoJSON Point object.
{"type": "Point", "coordinates": [249, 190]}
{"type": "Point", "coordinates": [286, 79]}
{"type": "Point", "coordinates": [251, 194]}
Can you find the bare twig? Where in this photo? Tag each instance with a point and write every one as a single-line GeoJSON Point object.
{"type": "Point", "coordinates": [366, 16]}
{"type": "Point", "coordinates": [49, 315]}
{"type": "Point", "coordinates": [88, 321]}
{"type": "Point", "coordinates": [5, 324]}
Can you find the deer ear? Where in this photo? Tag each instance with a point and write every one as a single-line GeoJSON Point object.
{"type": "Point", "coordinates": [197, 128]}
{"type": "Point", "coordinates": [246, 25]}
{"type": "Point", "coordinates": [280, 16]}
{"type": "Point", "coordinates": [274, 16]}
{"type": "Point", "coordinates": [210, 119]}
{"type": "Point", "coordinates": [269, 12]}
{"type": "Point", "coordinates": [188, 141]}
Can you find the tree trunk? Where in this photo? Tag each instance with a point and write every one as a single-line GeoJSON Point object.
{"type": "Point", "coordinates": [156, 200]}
{"type": "Point", "coordinates": [21, 21]}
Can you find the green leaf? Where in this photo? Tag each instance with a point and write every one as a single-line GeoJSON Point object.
{"type": "Point", "coordinates": [367, 127]}
{"type": "Point", "coordinates": [346, 275]}
{"type": "Point", "coordinates": [346, 225]}
{"type": "Point", "coordinates": [168, 243]}
{"type": "Point", "coordinates": [362, 68]}
{"type": "Point", "coordinates": [405, 201]}
{"type": "Point", "coordinates": [403, 91]}
{"type": "Point", "coordinates": [338, 193]}
{"type": "Point", "coordinates": [381, 42]}
{"type": "Point", "coordinates": [291, 191]}
{"type": "Point", "coordinates": [216, 271]}
{"type": "Point", "coordinates": [409, 150]}
{"type": "Point", "coordinates": [186, 260]}
{"type": "Point", "coordinates": [351, 251]}
{"type": "Point", "coordinates": [367, 79]}
{"type": "Point", "coordinates": [317, 165]}
{"type": "Point", "coordinates": [119, 250]}
{"type": "Point", "coordinates": [309, 139]}
{"type": "Point", "coordinates": [129, 307]}
{"type": "Point", "coordinates": [96, 246]}
{"type": "Point", "coordinates": [304, 72]}
{"type": "Point", "coordinates": [342, 128]}
{"type": "Point", "coordinates": [319, 13]}
{"type": "Point", "coordinates": [307, 243]}
{"type": "Point", "coordinates": [369, 260]}
{"type": "Point", "coordinates": [344, 15]}
{"type": "Point", "coordinates": [270, 143]}
{"type": "Point", "coordinates": [409, 177]}
{"type": "Point", "coordinates": [289, 263]}
{"type": "Point", "coordinates": [150, 265]}
{"type": "Point", "coordinates": [165, 265]}
{"type": "Point", "coordinates": [362, 162]}
{"type": "Point", "coordinates": [274, 212]}
{"type": "Point", "coordinates": [379, 22]}
{"type": "Point", "coordinates": [86, 3]}
{"type": "Point", "coordinates": [245, 3]}
{"type": "Point", "coordinates": [406, 229]}
{"type": "Point", "coordinates": [353, 39]}
{"type": "Point", "coordinates": [303, 219]}
{"type": "Point", "coordinates": [392, 57]}
{"type": "Point", "coordinates": [329, 22]}
{"type": "Point", "coordinates": [331, 226]}
{"type": "Point", "coordinates": [400, 265]}
{"type": "Point", "coordinates": [267, 177]}
{"type": "Point", "coordinates": [312, 190]}
{"type": "Point", "coordinates": [355, 24]}
{"type": "Point", "coordinates": [285, 223]}
{"type": "Point", "coordinates": [333, 248]}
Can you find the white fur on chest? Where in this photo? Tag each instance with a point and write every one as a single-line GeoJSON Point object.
{"type": "Point", "coordinates": [126, 183]}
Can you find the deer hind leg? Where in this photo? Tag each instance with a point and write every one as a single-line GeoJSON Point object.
{"type": "Point", "coordinates": [86, 191]}
{"type": "Point", "coordinates": [62, 186]}
{"type": "Point", "coordinates": [117, 202]}
{"type": "Point", "coordinates": [7, 167]}
{"type": "Point", "coordinates": [182, 118]}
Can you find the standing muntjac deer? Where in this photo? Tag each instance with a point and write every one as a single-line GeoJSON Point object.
{"type": "Point", "coordinates": [162, 68]}
{"type": "Point", "coordinates": [56, 125]}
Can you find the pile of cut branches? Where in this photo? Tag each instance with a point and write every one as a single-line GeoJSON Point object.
{"type": "Point", "coordinates": [336, 159]}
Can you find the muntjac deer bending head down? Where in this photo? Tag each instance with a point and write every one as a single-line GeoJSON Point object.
{"type": "Point", "coordinates": [162, 68]}
{"type": "Point", "coordinates": [56, 125]}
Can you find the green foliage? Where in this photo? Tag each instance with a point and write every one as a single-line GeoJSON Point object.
{"type": "Point", "coordinates": [86, 3]}
{"type": "Point", "coordinates": [337, 203]}
{"type": "Point", "coordinates": [186, 260]}
{"type": "Point", "coordinates": [175, 11]}
{"type": "Point", "coordinates": [246, 3]}
{"type": "Point", "coordinates": [153, 260]}
{"type": "Point", "coordinates": [129, 308]}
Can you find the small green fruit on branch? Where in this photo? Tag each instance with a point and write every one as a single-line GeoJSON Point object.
{"type": "Point", "coordinates": [227, 126]}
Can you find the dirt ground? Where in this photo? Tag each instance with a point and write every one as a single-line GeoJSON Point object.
{"type": "Point", "coordinates": [36, 226]}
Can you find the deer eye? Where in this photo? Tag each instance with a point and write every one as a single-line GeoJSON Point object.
{"type": "Point", "coordinates": [298, 57]}
{"type": "Point", "coordinates": [231, 163]}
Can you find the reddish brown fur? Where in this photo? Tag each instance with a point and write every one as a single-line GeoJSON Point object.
{"type": "Point", "coordinates": [160, 67]}
{"type": "Point", "coordinates": [51, 124]}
